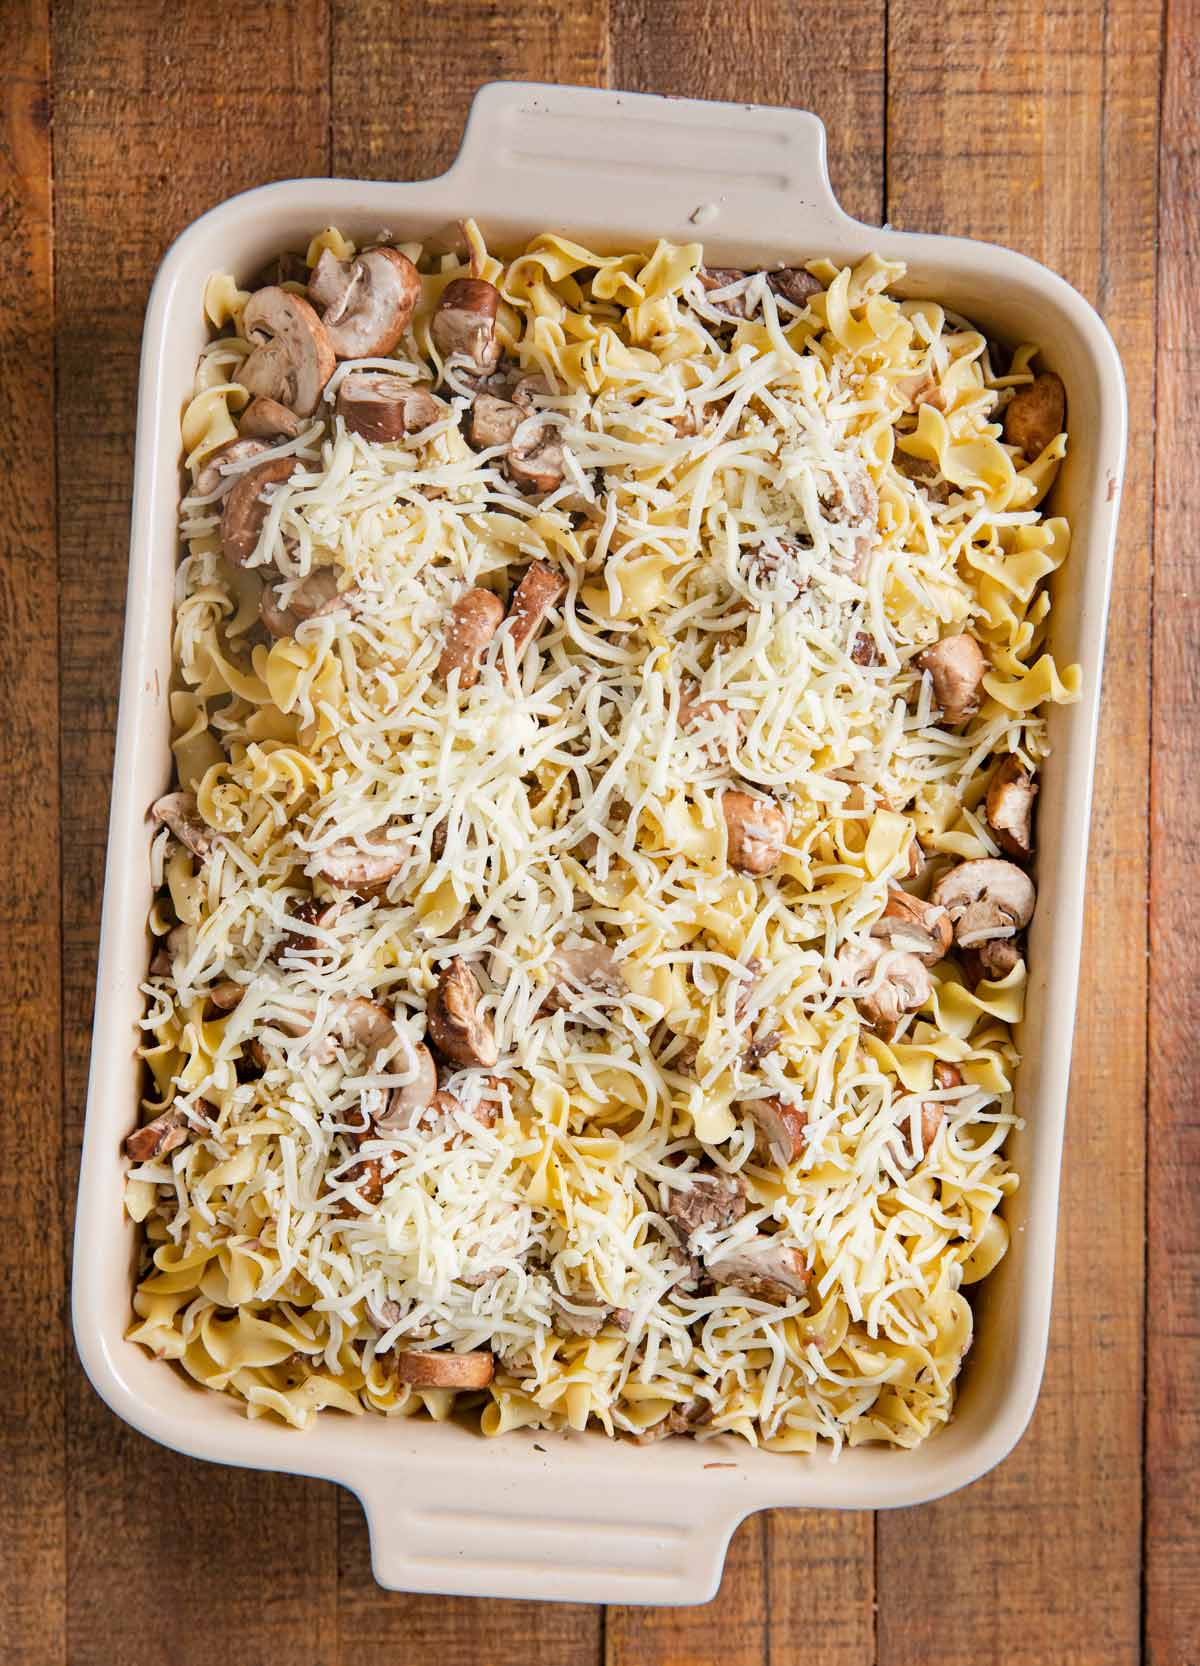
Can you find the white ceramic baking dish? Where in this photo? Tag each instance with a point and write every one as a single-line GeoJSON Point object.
{"type": "Point", "coordinates": [580, 1517]}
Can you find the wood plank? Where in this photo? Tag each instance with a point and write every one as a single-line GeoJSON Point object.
{"type": "Point", "coordinates": [1172, 1608]}
{"type": "Point", "coordinates": [162, 110]}
{"type": "Point", "coordinates": [404, 73]}
{"type": "Point", "coordinates": [32, 1514]}
{"type": "Point", "coordinates": [1034, 126]}
{"type": "Point", "coordinates": [827, 58]}
{"type": "Point", "coordinates": [379, 51]}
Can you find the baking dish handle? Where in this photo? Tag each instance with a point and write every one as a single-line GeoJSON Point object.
{"type": "Point", "coordinates": [582, 154]}
{"type": "Point", "coordinates": [481, 1541]}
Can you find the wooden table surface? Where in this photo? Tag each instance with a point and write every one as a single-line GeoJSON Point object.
{"type": "Point", "coordinates": [1066, 128]}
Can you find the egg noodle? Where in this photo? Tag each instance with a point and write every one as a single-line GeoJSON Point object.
{"type": "Point", "coordinates": [768, 509]}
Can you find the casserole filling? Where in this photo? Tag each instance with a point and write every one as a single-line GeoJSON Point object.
{"type": "Point", "coordinates": [590, 915]}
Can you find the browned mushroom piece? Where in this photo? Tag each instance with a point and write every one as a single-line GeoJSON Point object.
{"type": "Point", "coordinates": [956, 666]}
{"type": "Point", "coordinates": [445, 1370]}
{"type": "Point", "coordinates": [213, 474]}
{"type": "Point", "coordinates": [1036, 415]}
{"type": "Point", "coordinates": [927, 1119]}
{"type": "Point", "coordinates": [1010, 795]}
{"type": "Point", "coordinates": [287, 267]}
{"type": "Point", "coordinates": [379, 406]}
{"type": "Point", "coordinates": [696, 709]}
{"type": "Point", "coordinates": [760, 1047]}
{"type": "Point", "coordinates": [493, 421]}
{"type": "Point", "coordinates": [367, 301]}
{"type": "Point", "coordinates": [946, 1075]}
{"type": "Point", "coordinates": [904, 987]}
{"type": "Point", "coordinates": [755, 829]}
{"type": "Point", "coordinates": [540, 588]}
{"type": "Point", "coordinates": [293, 357]}
{"type": "Point", "coordinates": [180, 812]}
{"type": "Point", "coordinates": [313, 598]}
{"type": "Point", "coordinates": [246, 509]}
{"type": "Point", "coordinates": [924, 475]}
{"type": "Point", "coordinates": [992, 960]}
{"type": "Point", "coordinates": [920, 928]}
{"type": "Point", "coordinates": [225, 994]}
{"type": "Point", "coordinates": [156, 1138]}
{"type": "Point", "coordinates": [407, 1105]}
{"type": "Point", "coordinates": [864, 650]}
{"type": "Point", "coordinates": [985, 899]}
{"type": "Point", "coordinates": [455, 1025]}
{"type": "Point", "coordinates": [590, 970]}
{"type": "Point", "coordinates": [764, 1269]}
{"type": "Point", "coordinates": [703, 1202]}
{"type": "Point", "coordinates": [472, 623]}
{"type": "Point", "coordinates": [366, 1177]}
{"type": "Point", "coordinates": [464, 324]}
{"type": "Point", "coordinates": [537, 463]}
{"type": "Point", "coordinates": [715, 278]}
{"type": "Point", "coordinates": [680, 1420]}
{"type": "Point", "coordinates": [313, 911]}
{"type": "Point", "coordinates": [354, 865]}
{"type": "Point", "coordinates": [267, 419]}
{"type": "Point", "coordinates": [780, 1126]}
{"type": "Point", "coordinates": [795, 284]}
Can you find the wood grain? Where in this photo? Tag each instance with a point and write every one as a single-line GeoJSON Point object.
{"type": "Point", "coordinates": [830, 59]}
{"type": "Point", "coordinates": [402, 80]}
{"type": "Point", "coordinates": [1035, 127]}
{"type": "Point", "coordinates": [32, 1311]}
{"type": "Point", "coordinates": [1172, 1609]}
{"type": "Point", "coordinates": [403, 74]}
{"type": "Point", "coordinates": [161, 111]}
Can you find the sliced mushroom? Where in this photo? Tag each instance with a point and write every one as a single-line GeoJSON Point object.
{"type": "Point", "coordinates": [367, 302]}
{"type": "Point", "coordinates": [765, 1269]}
{"type": "Point", "coordinates": [928, 1118]}
{"type": "Point", "coordinates": [267, 419]}
{"type": "Point", "coordinates": [366, 1177]}
{"type": "Point", "coordinates": [353, 865]}
{"type": "Point", "coordinates": [715, 278]}
{"type": "Point", "coordinates": [760, 1047]}
{"type": "Point", "coordinates": [156, 1138]}
{"type": "Point", "coordinates": [985, 899]}
{"type": "Point", "coordinates": [795, 284]}
{"type": "Point", "coordinates": [680, 1420]}
{"type": "Point", "coordinates": [540, 588]}
{"type": "Point", "coordinates": [920, 928]}
{"type": "Point", "coordinates": [537, 463]}
{"type": "Point", "coordinates": [287, 267]}
{"type": "Point", "coordinates": [493, 421]}
{"type": "Point", "coordinates": [179, 812]}
{"type": "Point", "coordinates": [956, 665]}
{"type": "Point", "coordinates": [924, 475]}
{"type": "Point", "coordinates": [1036, 415]}
{"type": "Point", "coordinates": [904, 987]}
{"type": "Point", "coordinates": [703, 1202]}
{"type": "Point", "coordinates": [464, 324]}
{"type": "Point", "coordinates": [408, 1104]}
{"type": "Point", "coordinates": [313, 598]}
{"type": "Point", "coordinates": [313, 911]}
{"type": "Point", "coordinates": [992, 960]}
{"type": "Point", "coordinates": [293, 357]}
{"type": "Point", "coordinates": [445, 1370]}
{"type": "Point", "coordinates": [474, 620]}
{"type": "Point", "coordinates": [382, 407]}
{"type": "Point", "coordinates": [213, 474]}
{"type": "Point", "coordinates": [588, 969]}
{"type": "Point", "coordinates": [455, 1025]}
{"type": "Point", "coordinates": [780, 1127]}
{"type": "Point", "coordinates": [946, 1075]}
{"type": "Point", "coordinates": [696, 709]}
{"type": "Point", "coordinates": [864, 650]}
{"type": "Point", "coordinates": [1010, 795]}
{"type": "Point", "coordinates": [246, 509]}
{"type": "Point", "coordinates": [225, 994]}
{"type": "Point", "coordinates": [755, 828]}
